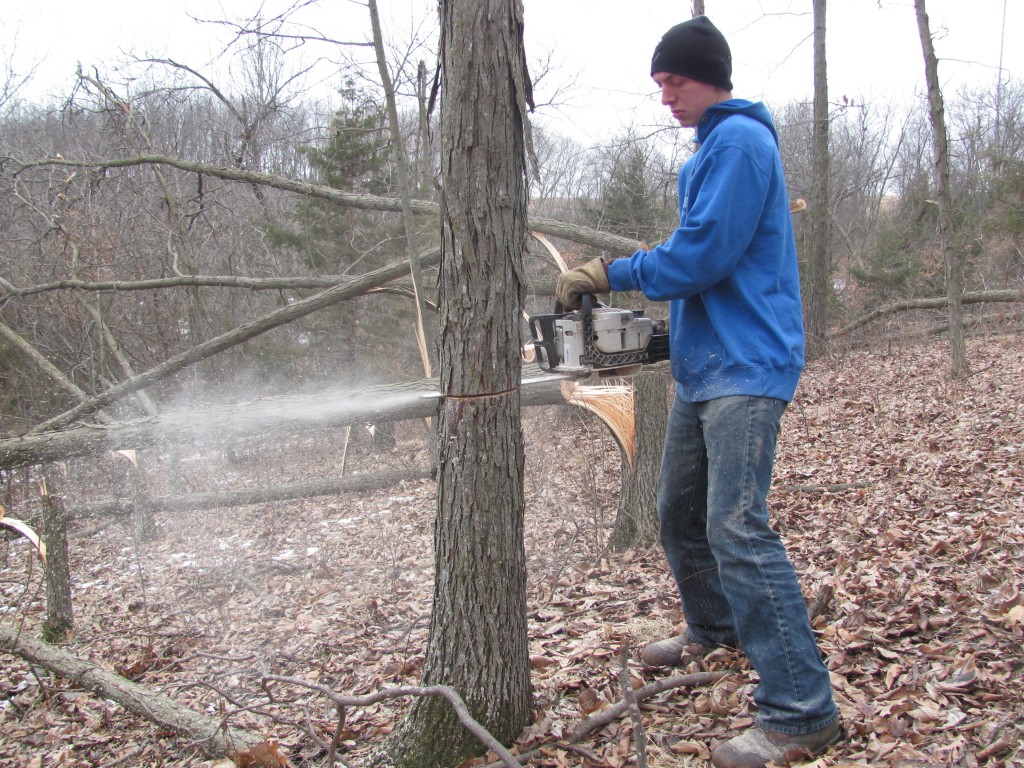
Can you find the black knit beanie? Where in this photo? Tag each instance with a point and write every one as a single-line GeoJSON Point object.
{"type": "Point", "coordinates": [697, 50]}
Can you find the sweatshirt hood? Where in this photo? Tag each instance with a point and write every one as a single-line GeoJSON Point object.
{"type": "Point", "coordinates": [755, 110]}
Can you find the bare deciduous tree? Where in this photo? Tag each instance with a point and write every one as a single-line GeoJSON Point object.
{"type": "Point", "coordinates": [954, 276]}
{"type": "Point", "coordinates": [817, 256]}
{"type": "Point", "coordinates": [478, 641]}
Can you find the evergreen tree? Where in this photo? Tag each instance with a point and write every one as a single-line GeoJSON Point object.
{"type": "Point", "coordinates": [334, 240]}
{"type": "Point", "coordinates": [354, 158]}
{"type": "Point", "coordinates": [630, 203]}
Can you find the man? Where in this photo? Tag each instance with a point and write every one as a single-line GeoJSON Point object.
{"type": "Point", "coordinates": [736, 330]}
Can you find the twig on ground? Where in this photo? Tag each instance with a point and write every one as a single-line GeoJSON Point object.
{"type": "Point", "coordinates": [126, 757]}
{"type": "Point", "coordinates": [609, 714]}
{"type": "Point", "coordinates": [614, 712]}
{"type": "Point", "coordinates": [825, 487]}
{"type": "Point", "coordinates": [629, 697]}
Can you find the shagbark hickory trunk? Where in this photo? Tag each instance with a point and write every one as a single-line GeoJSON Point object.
{"type": "Point", "coordinates": [478, 640]}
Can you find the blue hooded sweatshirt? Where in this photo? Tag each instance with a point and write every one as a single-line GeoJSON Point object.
{"type": "Point", "coordinates": [730, 269]}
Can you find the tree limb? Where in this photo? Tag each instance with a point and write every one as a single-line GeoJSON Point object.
{"type": "Point", "coordinates": [188, 281]}
{"type": "Point", "coordinates": [939, 302]}
{"type": "Point", "coordinates": [211, 734]}
{"type": "Point", "coordinates": [444, 691]}
{"type": "Point", "coordinates": [227, 340]}
{"type": "Point", "coordinates": [583, 235]}
{"type": "Point", "coordinates": [43, 364]}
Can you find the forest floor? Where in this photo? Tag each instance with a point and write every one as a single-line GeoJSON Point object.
{"type": "Point", "coordinates": [898, 489]}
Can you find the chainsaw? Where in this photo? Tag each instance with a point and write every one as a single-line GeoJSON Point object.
{"type": "Point", "coordinates": [597, 339]}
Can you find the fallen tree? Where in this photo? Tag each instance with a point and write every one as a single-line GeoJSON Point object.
{"type": "Point", "coordinates": [330, 409]}
{"type": "Point", "coordinates": [194, 501]}
{"type": "Point", "coordinates": [212, 735]}
{"type": "Point", "coordinates": [583, 235]}
{"type": "Point", "coordinates": [939, 302]}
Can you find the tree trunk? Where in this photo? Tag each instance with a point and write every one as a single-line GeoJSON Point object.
{"type": "Point", "coordinates": [954, 278]}
{"type": "Point", "coordinates": [636, 523]}
{"type": "Point", "coordinates": [59, 615]}
{"type": "Point", "coordinates": [478, 641]}
{"type": "Point", "coordinates": [817, 283]}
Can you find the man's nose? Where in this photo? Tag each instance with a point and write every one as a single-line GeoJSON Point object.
{"type": "Point", "coordinates": [666, 96]}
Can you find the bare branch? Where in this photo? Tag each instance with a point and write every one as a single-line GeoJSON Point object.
{"type": "Point", "coordinates": [185, 281]}
{"type": "Point", "coordinates": [444, 691]}
{"type": "Point", "coordinates": [557, 228]}
{"type": "Point", "coordinates": [553, 227]}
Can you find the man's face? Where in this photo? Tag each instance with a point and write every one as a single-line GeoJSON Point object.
{"type": "Point", "coordinates": [688, 99]}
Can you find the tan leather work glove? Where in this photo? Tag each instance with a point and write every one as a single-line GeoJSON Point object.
{"type": "Point", "coordinates": [592, 277]}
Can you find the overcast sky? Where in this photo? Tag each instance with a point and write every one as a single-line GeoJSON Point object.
{"type": "Point", "coordinates": [873, 47]}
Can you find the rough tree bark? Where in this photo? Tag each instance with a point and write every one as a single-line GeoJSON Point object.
{"type": "Point", "coordinates": [478, 641]}
{"type": "Point", "coordinates": [954, 279]}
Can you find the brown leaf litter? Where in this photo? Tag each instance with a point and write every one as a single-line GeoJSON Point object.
{"type": "Point", "coordinates": [899, 490]}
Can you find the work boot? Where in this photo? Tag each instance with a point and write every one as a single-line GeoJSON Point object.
{"type": "Point", "coordinates": [756, 747]}
{"type": "Point", "coordinates": [673, 651]}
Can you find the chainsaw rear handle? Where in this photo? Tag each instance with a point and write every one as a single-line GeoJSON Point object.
{"type": "Point", "coordinates": [587, 303]}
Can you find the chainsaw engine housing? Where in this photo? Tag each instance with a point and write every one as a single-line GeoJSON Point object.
{"type": "Point", "coordinates": [605, 340]}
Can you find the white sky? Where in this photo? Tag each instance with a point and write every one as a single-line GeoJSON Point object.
{"type": "Point", "coordinates": [873, 46]}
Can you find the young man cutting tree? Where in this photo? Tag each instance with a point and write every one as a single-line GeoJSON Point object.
{"type": "Point", "coordinates": [737, 349]}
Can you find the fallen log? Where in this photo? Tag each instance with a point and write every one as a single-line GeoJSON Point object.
{"type": "Point", "coordinates": [210, 734]}
{"type": "Point", "coordinates": [217, 425]}
{"type": "Point", "coordinates": [194, 501]}
{"type": "Point", "coordinates": [938, 302]}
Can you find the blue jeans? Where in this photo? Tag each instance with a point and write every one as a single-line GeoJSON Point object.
{"type": "Point", "coordinates": [735, 580]}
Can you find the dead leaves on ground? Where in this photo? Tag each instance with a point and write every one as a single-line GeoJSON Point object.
{"type": "Point", "coordinates": [896, 488]}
